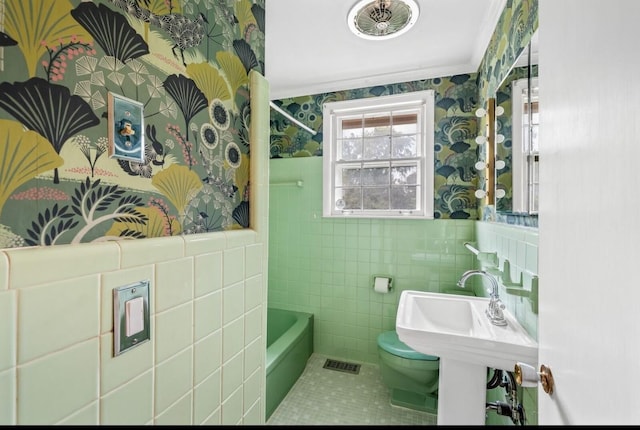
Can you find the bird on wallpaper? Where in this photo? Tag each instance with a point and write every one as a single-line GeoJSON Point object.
{"type": "Point", "coordinates": [6, 40]}
{"type": "Point", "coordinates": [185, 32]}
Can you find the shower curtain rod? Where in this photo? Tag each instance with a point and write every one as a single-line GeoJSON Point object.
{"type": "Point", "coordinates": [290, 118]}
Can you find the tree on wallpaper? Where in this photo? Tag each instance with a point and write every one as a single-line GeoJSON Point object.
{"type": "Point", "coordinates": [34, 21]}
{"type": "Point", "coordinates": [49, 109]}
{"type": "Point", "coordinates": [23, 155]}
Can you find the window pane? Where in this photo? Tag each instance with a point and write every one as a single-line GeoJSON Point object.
{"type": "Point", "coordinates": [350, 149]}
{"type": "Point", "coordinates": [375, 176]}
{"type": "Point", "coordinates": [375, 198]}
{"type": "Point", "coordinates": [348, 176]}
{"type": "Point", "coordinates": [376, 148]}
{"type": "Point", "coordinates": [404, 175]}
{"type": "Point", "coordinates": [411, 128]}
{"type": "Point", "coordinates": [351, 198]}
{"type": "Point", "coordinates": [404, 198]}
{"type": "Point", "coordinates": [404, 147]}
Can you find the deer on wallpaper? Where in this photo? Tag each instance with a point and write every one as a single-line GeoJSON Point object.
{"type": "Point", "coordinates": [185, 32]}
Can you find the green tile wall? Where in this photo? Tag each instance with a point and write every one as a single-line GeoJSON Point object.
{"type": "Point", "coordinates": [326, 266]}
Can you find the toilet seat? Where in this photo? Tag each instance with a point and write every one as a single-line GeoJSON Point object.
{"type": "Point", "coordinates": [390, 342]}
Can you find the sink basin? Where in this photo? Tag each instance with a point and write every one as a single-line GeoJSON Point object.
{"type": "Point", "coordinates": [456, 329]}
{"type": "Point", "coordinates": [453, 326]}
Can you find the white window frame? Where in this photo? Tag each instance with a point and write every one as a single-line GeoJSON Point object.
{"type": "Point", "coordinates": [524, 158]}
{"type": "Point", "coordinates": [422, 102]}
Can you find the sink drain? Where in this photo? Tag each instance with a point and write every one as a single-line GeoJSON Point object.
{"type": "Point", "coordinates": [342, 366]}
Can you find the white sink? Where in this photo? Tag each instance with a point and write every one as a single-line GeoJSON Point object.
{"type": "Point", "coordinates": [456, 329]}
{"type": "Point", "coordinates": [447, 325]}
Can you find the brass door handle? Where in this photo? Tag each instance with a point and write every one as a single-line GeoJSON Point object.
{"type": "Point", "coordinates": [526, 376]}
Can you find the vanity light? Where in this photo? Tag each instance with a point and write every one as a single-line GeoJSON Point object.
{"type": "Point", "coordinates": [500, 193]}
{"type": "Point", "coordinates": [480, 165]}
{"type": "Point", "coordinates": [480, 194]}
{"type": "Point", "coordinates": [499, 164]}
{"type": "Point", "coordinates": [481, 140]}
{"type": "Point", "coordinates": [480, 112]}
{"type": "Point", "coordinates": [499, 110]}
{"type": "Point", "coordinates": [499, 138]}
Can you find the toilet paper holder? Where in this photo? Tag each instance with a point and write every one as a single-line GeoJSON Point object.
{"type": "Point", "coordinates": [382, 281]}
{"type": "Point", "coordinates": [526, 376]}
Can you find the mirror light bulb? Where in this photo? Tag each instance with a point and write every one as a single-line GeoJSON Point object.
{"type": "Point", "coordinates": [480, 165]}
{"type": "Point", "coordinates": [499, 138]}
{"type": "Point", "coordinates": [480, 193]}
{"type": "Point", "coordinates": [481, 140]}
{"type": "Point", "coordinates": [500, 164]}
{"type": "Point", "coordinates": [499, 110]}
{"type": "Point", "coordinates": [500, 193]}
{"type": "Point", "coordinates": [481, 112]}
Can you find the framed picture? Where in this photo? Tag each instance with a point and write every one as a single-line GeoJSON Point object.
{"type": "Point", "coordinates": [126, 128]}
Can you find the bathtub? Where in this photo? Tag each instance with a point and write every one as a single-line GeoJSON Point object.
{"type": "Point", "coordinates": [289, 346]}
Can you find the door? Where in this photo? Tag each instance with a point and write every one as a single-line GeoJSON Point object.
{"type": "Point", "coordinates": [589, 232]}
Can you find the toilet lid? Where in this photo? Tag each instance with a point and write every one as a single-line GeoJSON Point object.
{"type": "Point", "coordinates": [390, 342]}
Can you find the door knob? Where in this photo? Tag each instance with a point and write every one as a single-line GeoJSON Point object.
{"type": "Point", "coordinates": [526, 376]}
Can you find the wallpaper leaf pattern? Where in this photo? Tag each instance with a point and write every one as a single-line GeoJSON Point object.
{"type": "Point", "coordinates": [175, 57]}
{"type": "Point", "coordinates": [111, 31]}
{"type": "Point", "coordinates": [35, 23]}
{"type": "Point", "coordinates": [49, 109]}
{"type": "Point", "coordinates": [23, 155]}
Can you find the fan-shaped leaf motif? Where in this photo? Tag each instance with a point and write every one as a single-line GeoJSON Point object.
{"type": "Point", "coordinates": [258, 13]}
{"type": "Point", "coordinates": [154, 227]}
{"type": "Point", "coordinates": [47, 108]}
{"type": "Point", "coordinates": [241, 214]}
{"type": "Point", "coordinates": [111, 31]}
{"type": "Point", "coordinates": [244, 14]}
{"type": "Point", "coordinates": [111, 63]}
{"type": "Point", "coordinates": [97, 100]}
{"type": "Point", "coordinates": [208, 79]}
{"type": "Point", "coordinates": [83, 89]}
{"type": "Point", "coordinates": [188, 97]}
{"type": "Point", "coordinates": [116, 78]}
{"type": "Point", "coordinates": [246, 55]}
{"type": "Point", "coordinates": [233, 70]}
{"type": "Point", "coordinates": [31, 22]}
{"type": "Point", "coordinates": [136, 78]}
{"type": "Point", "coordinates": [168, 109]}
{"type": "Point", "coordinates": [23, 156]}
{"type": "Point", "coordinates": [179, 184]}
{"type": "Point", "coordinates": [97, 78]}
{"type": "Point", "coordinates": [86, 65]}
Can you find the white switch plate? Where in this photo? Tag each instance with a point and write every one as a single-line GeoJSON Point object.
{"type": "Point", "coordinates": [130, 316]}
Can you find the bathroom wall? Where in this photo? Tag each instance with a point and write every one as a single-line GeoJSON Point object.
{"type": "Point", "coordinates": [185, 167]}
{"type": "Point", "coordinates": [204, 363]}
{"type": "Point", "coordinates": [326, 266]}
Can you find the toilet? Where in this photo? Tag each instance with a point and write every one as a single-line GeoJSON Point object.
{"type": "Point", "coordinates": [411, 376]}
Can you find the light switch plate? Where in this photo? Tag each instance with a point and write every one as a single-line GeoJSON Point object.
{"type": "Point", "coordinates": [122, 295]}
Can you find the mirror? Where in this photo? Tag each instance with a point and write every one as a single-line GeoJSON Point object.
{"type": "Point", "coordinates": [516, 152]}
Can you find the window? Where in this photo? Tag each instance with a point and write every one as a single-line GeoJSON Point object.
{"type": "Point", "coordinates": [525, 147]}
{"type": "Point", "coordinates": [378, 157]}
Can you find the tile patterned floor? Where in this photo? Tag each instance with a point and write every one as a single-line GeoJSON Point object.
{"type": "Point", "coordinates": [330, 397]}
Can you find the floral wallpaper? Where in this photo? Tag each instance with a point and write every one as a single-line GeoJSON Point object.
{"type": "Point", "coordinates": [513, 32]}
{"type": "Point", "coordinates": [186, 62]}
{"type": "Point", "coordinates": [455, 133]}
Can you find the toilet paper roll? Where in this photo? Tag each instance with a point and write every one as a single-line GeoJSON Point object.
{"type": "Point", "coordinates": [381, 285]}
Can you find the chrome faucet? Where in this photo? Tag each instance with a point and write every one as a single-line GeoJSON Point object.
{"type": "Point", "coordinates": [494, 310]}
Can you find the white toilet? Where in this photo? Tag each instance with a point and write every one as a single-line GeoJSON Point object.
{"type": "Point", "coordinates": [411, 376]}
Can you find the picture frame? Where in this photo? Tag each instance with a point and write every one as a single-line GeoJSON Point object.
{"type": "Point", "coordinates": [126, 128]}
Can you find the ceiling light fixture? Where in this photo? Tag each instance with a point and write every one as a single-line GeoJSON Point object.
{"type": "Point", "coordinates": [382, 19]}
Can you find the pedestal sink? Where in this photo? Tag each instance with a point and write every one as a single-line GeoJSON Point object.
{"type": "Point", "coordinates": [456, 329]}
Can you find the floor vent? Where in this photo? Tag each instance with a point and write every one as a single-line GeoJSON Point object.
{"type": "Point", "coordinates": [342, 366]}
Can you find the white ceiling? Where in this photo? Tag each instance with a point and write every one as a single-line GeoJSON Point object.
{"type": "Point", "coordinates": [309, 48]}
